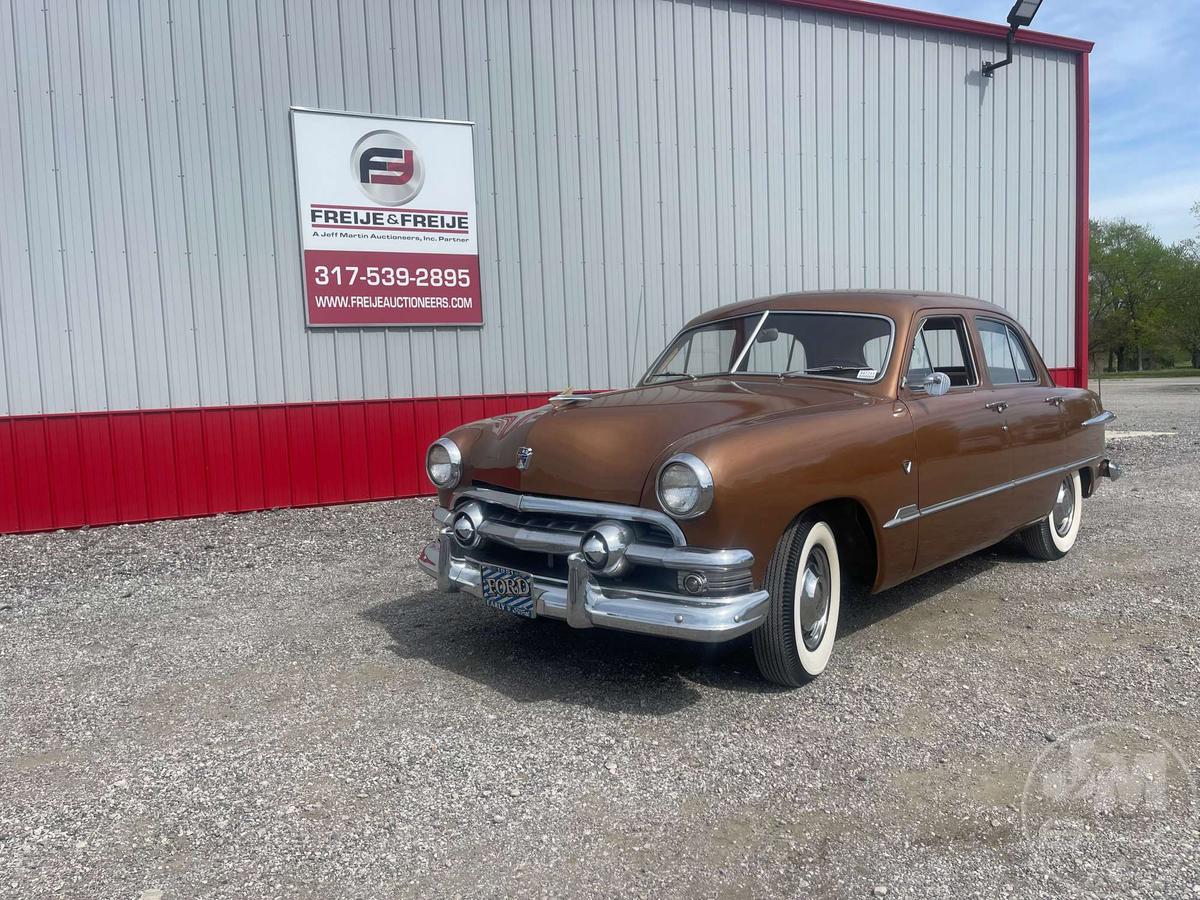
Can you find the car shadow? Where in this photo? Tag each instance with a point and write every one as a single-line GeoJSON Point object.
{"type": "Point", "coordinates": [546, 659]}
{"type": "Point", "coordinates": [613, 671]}
{"type": "Point", "coordinates": [866, 610]}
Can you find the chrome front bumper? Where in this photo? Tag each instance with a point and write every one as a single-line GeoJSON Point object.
{"type": "Point", "coordinates": [584, 603]}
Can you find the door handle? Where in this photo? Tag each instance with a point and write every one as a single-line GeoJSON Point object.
{"type": "Point", "coordinates": [1057, 401]}
{"type": "Point", "coordinates": [998, 405]}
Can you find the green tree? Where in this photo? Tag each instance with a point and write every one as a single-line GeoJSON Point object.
{"type": "Point", "coordinates": [1127, 315]}
{"type": "Point", "coordinates": [1182, 288]}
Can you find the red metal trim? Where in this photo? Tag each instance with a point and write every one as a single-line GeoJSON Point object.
{"type": "Point", "coordinates": [67, 470]}
{"type": "Point", "coordinates": [1082, 224]}
{"type": "Point", "coordinates": [1066, 377]}
{"type": "Point", "coordinates": [941, 22]}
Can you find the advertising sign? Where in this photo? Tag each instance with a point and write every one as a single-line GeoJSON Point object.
{"type": "Point", "coordinates": [387, 220]}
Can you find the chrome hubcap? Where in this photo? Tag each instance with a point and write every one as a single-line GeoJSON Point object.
{"type": "Point", "coordinates": [814, 598]}
{"type": "Point", "coordinates": [1064, 507]}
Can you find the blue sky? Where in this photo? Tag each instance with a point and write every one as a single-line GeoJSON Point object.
{"type": "Point", "coordinates": [1145, 101]}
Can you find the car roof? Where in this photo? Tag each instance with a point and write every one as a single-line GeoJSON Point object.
{"type": "Point", "coordinates": [897, 305]}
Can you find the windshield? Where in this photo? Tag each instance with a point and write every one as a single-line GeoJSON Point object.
{"type": "Point", "coordinates": [851, 346]}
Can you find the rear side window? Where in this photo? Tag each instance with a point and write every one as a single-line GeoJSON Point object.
{"type": "Point", "coordinates": [941, 346]}
{"type": "Point", "coordinates": [1020, 357]}
{"type": "Point", "coordinates": [1004, 353]}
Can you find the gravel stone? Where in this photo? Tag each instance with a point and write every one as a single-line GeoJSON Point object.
{"type": "Point", "coordinates": [279, 704]}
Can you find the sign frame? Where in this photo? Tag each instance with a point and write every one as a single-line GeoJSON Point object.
{"type": "Point", "coordinates": [302, 224]}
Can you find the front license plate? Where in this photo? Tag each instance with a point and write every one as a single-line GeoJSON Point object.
{"type": "Point", "coordinates": [509, 590]}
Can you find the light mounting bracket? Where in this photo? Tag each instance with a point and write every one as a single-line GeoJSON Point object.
{"type": "Point", "coordinates": [1020, 15]}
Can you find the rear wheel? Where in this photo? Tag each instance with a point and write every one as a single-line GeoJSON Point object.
{"type": "Point", "coordinates": [804, 580]}
{"type": "Point", "coordinates": [1054, 536]}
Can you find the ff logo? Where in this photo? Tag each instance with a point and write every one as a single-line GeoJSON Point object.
{"type": "Point", "coordinates": [387, 167]}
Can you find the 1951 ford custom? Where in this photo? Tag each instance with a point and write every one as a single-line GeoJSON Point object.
{"type": "Point", "coordinates": [777, 450]}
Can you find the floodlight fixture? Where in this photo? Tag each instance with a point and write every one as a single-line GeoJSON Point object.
{"type": "Point", "coordinates": [1019, 16]}
{"type": "Point", "coordinates": [1022, 13]}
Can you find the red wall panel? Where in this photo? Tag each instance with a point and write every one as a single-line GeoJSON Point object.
{"type": "Point", "coordinates": [381, 476]}
{"type": "Point", "coordinates": [355, 478]}
{"type": "Point", "coordinates": [246, 450]}
{"type": "Point", "coordinates": [31, 464]}
{"type": "Point", "coordinates": [64, 471]}
{"type": "Point", "coordinates": [191, 466]}
{"type": "Point", "coordinates": [62, 455]}
{"type": "Point", "coordinates": [97, 465]}
{"type": "Point", "coordinates": [276, 458]}
{"type": "Point", "coordinates": [218, 455]}
{"type": "Point", "coordinates": [408, 455]}
{"type": "Point", "coordinates": [9, 517]}
{"type": "Point", "coordinates": [129, 466]}
{"type": "Point", "coordinates": [1066, 377]}
{"type": "Point", "coordinates": [158, 442]}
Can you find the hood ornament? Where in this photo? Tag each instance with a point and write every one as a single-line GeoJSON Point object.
{"type": "Point", "coordinates": [524, 455]}
{"type": "Point", "coordinates": [567, 397]}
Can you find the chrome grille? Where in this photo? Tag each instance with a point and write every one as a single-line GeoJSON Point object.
{"type": "Point", "coordinates": [539, 541]}
{"type": "Point", "coordinates": [568, 526]}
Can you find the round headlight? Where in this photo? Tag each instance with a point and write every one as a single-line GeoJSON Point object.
{"type": "Point", "coordinates": [685, 486]}
{"type": "Point", "coordinates": [443, 463]}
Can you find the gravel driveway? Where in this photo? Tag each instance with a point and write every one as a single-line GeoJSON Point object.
{"type": "Point", "coordinates": [278, 704]}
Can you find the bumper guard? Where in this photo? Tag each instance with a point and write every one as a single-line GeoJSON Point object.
{"type": "Point", "coordinates": [584, 603]}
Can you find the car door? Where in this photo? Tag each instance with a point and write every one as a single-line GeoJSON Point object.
{"type": "Point", "coordinates": [961, 445]}
{"type": "Point", "coordinates": [1030, 406]}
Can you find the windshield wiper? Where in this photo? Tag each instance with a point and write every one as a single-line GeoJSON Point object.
{"type": "Point", "coordinates": [819, 369]}
{"type": "Point", "coordinates": [673, 375]}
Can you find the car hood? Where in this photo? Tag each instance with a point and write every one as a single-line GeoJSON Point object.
{"type": "Point", "coordinates": [606, 448]}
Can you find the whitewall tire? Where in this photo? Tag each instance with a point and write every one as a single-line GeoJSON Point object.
{"type": "Point", "coordinates": [1054, 536]}
{"type": "Point", "coordinates": [804, 580]}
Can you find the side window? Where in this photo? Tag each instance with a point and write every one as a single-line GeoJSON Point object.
{"type": "Point", "coordinates": [1025, 371]}
{"type": "Point", "coordinates": [941, 346]}
{"type": "Point", "coordinates": [708, 350]}
{"type": "Point", "coordinates": [998, 352]}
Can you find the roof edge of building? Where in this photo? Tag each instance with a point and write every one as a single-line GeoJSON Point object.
{"type": "Point", "coordinates": [942, 22]}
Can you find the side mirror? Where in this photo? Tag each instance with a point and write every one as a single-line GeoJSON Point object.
{"type": "Point", "coordinates": [936, 384]}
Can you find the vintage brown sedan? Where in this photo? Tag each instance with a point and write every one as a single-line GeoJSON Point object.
{"type": "Point", "coordinates": [778, 451]}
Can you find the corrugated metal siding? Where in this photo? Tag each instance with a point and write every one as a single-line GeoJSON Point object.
{"type": "Point", "coordinates": [637, 161]}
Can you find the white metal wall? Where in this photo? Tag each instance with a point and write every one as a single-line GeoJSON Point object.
{"type": "Point", "coordinates": [638, 161]}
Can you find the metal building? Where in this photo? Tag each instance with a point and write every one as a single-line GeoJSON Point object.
{"type": "Point", "coordinates": [636, 162]}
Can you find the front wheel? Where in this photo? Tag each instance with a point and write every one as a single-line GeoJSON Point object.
{"type": "Point", "coordinates": [1054, 536]}
{"type": "Point", "coordinates": [804, 580]}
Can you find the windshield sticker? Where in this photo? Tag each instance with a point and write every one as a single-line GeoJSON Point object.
{"type": "Point", "coordinates": [866, 374]}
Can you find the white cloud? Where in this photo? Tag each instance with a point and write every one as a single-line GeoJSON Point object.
{"type": "Point", "coordinates": [1163, 202]}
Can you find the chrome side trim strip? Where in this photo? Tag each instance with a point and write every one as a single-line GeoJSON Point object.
{"type": "Point", "coordinates": [690, 558]}
{"type": "Point", "coordinates": [911, 513]}
{"type": "Point", "coordinates": [903, 514]}
{"type": "Point", "coordinates": [530, 503]}
{"type": "Point", "coordinates": [1106, 416]}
